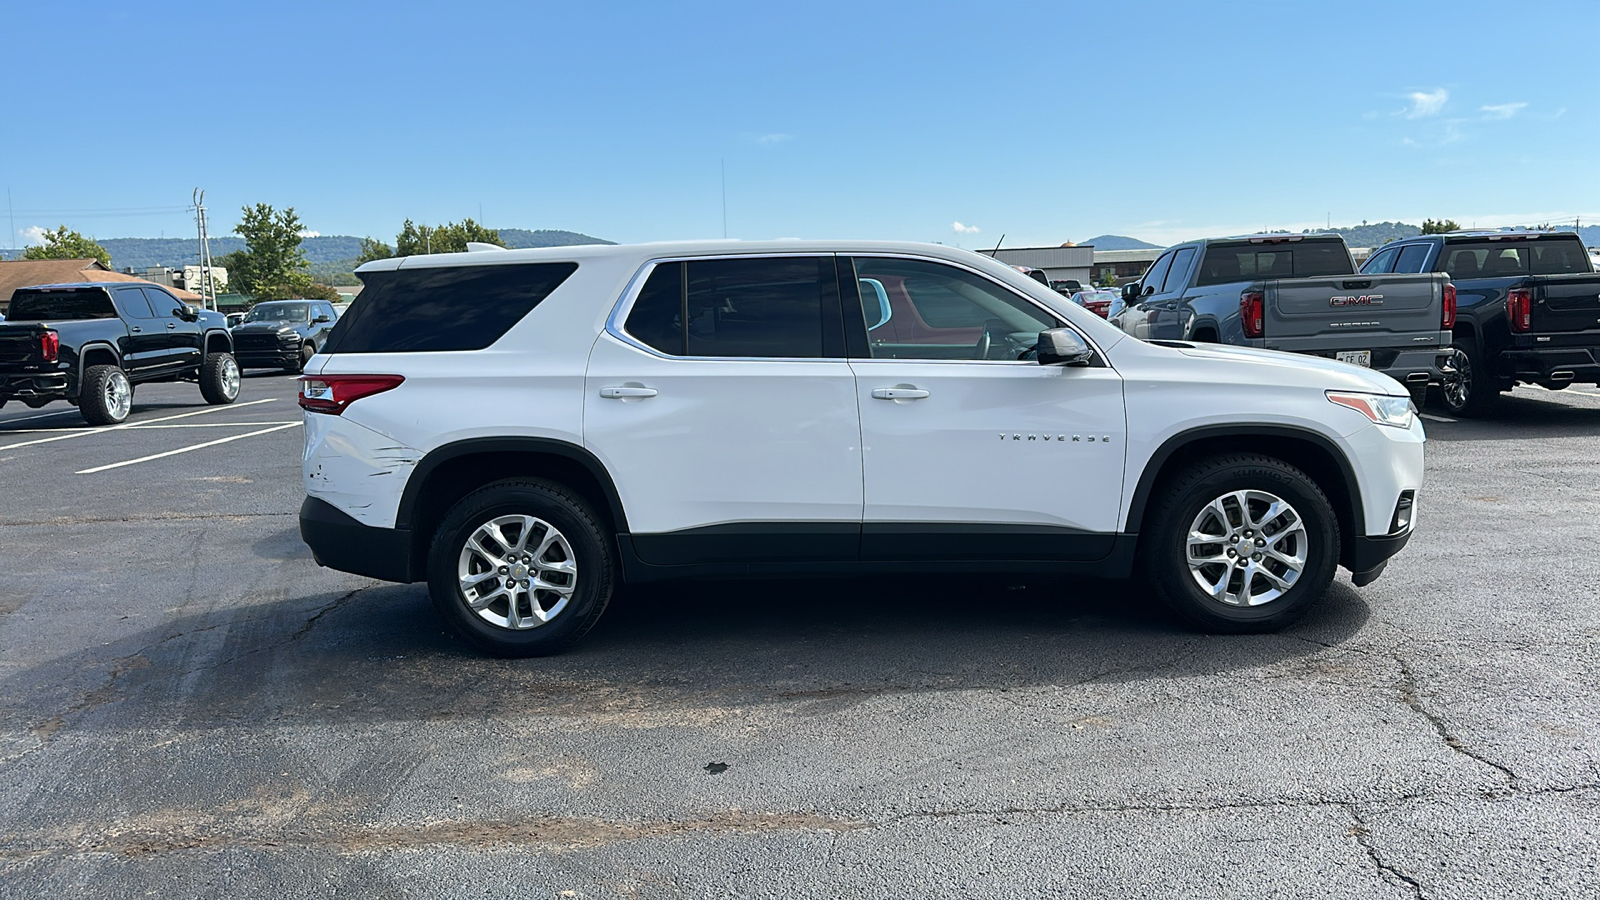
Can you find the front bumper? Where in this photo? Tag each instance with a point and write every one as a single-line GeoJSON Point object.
{"type": "Point", "coordinates": [340, 542]}
{"type": "Point", "coordinates": [287, 358]}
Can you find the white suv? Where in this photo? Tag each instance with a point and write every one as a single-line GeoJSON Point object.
{"type": "Point", "coordinates": [522, 429]}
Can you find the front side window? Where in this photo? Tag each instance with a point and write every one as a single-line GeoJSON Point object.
{"type": "Point", "coordinates": [757, 307]}
{"type": "Point", "coordinates": [916, 309]}
{"type": "Point", "coordinates": [1155, 275]}
{"type": "Point", "coordinates": [1178, 275]}
{"type": "Point", "coordinates": [1382, 263]}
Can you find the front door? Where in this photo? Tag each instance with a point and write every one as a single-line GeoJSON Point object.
{"type": "Point", "coordinates": [971, 450]}
{"type": "Point", "coordinates": [721, 401]}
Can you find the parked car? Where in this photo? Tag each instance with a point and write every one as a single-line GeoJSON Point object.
{"type": "Point", "coordinates": [283, 334]}
{"type": "Point", "coordinates": [91, 344]}
{"type": "Point", "coordinates": [1097, 302]}
{"type": "Point", "coordinates": [636, 413]}
{"type": "Point", "coordinates": [1528, 309]}
{"type": "Point", "coordinates": [1296, 293]}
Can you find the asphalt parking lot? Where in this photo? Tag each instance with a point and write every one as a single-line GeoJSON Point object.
{"type": "Point", "coordinates": [189, 706]}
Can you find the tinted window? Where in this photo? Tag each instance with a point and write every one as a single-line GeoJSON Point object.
{"type": "Point", "coordinates": [657, 315]}
{"type": "Point", "coordinates": [758, 307]}
{"type": "Point", "coordinates": [80, 303]}
{"type": "Point", "coordinates": [436, 309]}
{"type": "Point", "coordinates": [1411, 259]}
{"type": "Point", "coordinates": [1155, 275]}
{"type": "Point", "coordinates": [135, 304]}
{"type": "Point", "coordinates": [291, 313]}
{"type": "Point", "coordinates": [915, 309]}
{"type": "Point", "coordinates": [161, 302]}
{"type": "Point", "coordinates": [1559, 257]}
{"type": "Point", "coordinates": [1227, 263]}
{"type": "Point", "coordinates": [1381, 263]}
{"type": "Point", "coordinates": [1179, 274]}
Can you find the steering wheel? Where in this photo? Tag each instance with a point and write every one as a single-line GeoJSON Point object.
{"type": "Point", "coordinates": [986, 340]}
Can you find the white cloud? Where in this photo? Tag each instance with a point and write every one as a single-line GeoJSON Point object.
{"type": "Point", "coordinates": [1501, 110]}
{"type": "Point", "coordinates": [33, 236]}
{"type": "Point", "coordinates": [309, 233]}
{"type": "Point", "coordinates": [959, 228]}
{"type": "Point", "coordinates": [773, 138]}
{"type": "Point", "coordinates": [1426, 103]}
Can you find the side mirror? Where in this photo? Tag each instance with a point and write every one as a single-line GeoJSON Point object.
{"type": "Point", "coordinates": [320, 319]}
{"type": "Point", "coordinates": [186, 314]}
{"type": "Point", "coordinates": [1063, 347]}
{"type": "Point", "coordinates": [1130, 292]}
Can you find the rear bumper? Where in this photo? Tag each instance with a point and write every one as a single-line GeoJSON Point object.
{"type": "Point", "coordinates": [1551, 366]}
{"type": "Point", "coordinates": [36, 386]}
{"type": "Point", "coordinates": [1415, 366]}
{"type": "Point", "coordinates": [340, 542]}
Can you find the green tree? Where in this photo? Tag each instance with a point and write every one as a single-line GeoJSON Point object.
{"type": "Point", "coordinates": [1442, 226]}
{"type": "Point", "coordinates": [1107, 279]}
{"type": "Point", "coordinates": [272, 259]}
{"type": "Point", "coordinates": [372, 248]}
{"type": "Point", "coordinates": [447, 238]}
{"type": "Point", "coordinates": [64, 244]}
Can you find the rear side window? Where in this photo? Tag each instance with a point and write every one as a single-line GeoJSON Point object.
{"type": "Point", "coordinates": [79, 303]}
{"type": "Point", "coordinates": [773, 308]}
{"type": "Point", "coordinates": [439, 309]}
{"type": "Point", "coordinates": [1411, 259]}
{"type": "Point", "coordinates": [136, 304]}
{"type": "Point", "coordinates": [1226, 263]}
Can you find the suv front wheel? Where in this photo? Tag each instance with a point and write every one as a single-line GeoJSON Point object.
{"type": "Point", "coordinates": [521, 568]}
{"type": "Point", "coordinates": [1242, 543]}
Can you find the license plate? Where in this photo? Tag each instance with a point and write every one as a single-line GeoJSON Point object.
{"type": "Point", "coordinates": [1355, 357]}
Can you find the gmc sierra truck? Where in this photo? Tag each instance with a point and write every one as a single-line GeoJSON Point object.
{"type": "Point", "coordinates": [89, 344]}
{"type": "Point", "coordinates": [1529, 309]}
{"type": "Point", "coordinates": [1297, 293]}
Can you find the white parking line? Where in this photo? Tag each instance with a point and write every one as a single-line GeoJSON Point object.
{"type": "Point", "coordinates": [236, 437]}
{"type": "Point", "coordinates": [126, 425]}
{"type": "Point", "coordinates": [1429, 416]}
{"type": "Point", "coordinates": [158, 427]}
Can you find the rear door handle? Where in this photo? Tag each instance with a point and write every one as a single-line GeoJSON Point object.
{"type": "Point", "coordinates": [898, 394]}
{"type": "Point", "coordinates": [624, 393]}
{"type": "Point", "coordinates": [172, 324]}
{"type": "Point", "coordinates": [135, 329]}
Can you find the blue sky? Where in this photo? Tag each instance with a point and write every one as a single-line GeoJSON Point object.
{"type": "Point", "coordinates": [1043, 121]}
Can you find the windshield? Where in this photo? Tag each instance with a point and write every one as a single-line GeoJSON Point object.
{"type": "Point", "coordinates": [82, 303]}
{"type": "Point", "coordinates": [279, 312]}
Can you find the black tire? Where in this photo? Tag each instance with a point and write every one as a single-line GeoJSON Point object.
{"type": "Point", "coordinates": [572, 518]}
{"type": "Point", "coordinates": [1164, 546]}
{"type": "Point", "coordinates": [1471, 389]}
{"type": "Point", "coordinates": [95, 400]}
{"type": "Point", "coordinates": [306, 352]}
{"type": "Point", "coordinates": [220, 378]}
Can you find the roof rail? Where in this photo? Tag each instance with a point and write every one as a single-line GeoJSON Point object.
{"type": "Point", "coordinates": [480, 247]}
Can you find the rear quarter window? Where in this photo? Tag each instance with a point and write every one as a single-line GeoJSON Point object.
{"type": "Point", "coordinates": [441, 309]}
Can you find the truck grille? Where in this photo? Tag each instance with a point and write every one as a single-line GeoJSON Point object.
{"type": "Point", "coordinates": [257, 342]}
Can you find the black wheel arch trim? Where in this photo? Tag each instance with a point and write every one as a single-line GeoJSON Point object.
{"type": "Point", "coordinates": [95, 346]}
{"type": "Point", "coordinates": [1147, 479]}
{"type": "Point", "coordinates": [471, 446]}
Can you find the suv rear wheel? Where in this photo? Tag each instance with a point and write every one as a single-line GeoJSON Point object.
{"type": "Point", "coordinates": [521, 568]}
{"type": "Point", "coordinates": [1242, 543]}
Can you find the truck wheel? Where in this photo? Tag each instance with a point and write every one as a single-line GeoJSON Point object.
{"type": "Point", "coordinates": [521, 568]}
{"type": "Point", "coordinates": [1470, 389]}
{"type": "Point", "coordinates": [306, 352]}
{"type": "Point", "coordinates": [106, 397]}
{"type": "Point", "coordinates": [219, 378]}
{"type": "Point", "coordinates": [1242, 543]}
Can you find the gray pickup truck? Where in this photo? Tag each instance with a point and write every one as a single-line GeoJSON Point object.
{"type": "Point", "coordinates": [1297, 293]}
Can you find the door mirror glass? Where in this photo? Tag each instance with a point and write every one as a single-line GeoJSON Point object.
{"type": "Point", "coordinates": [320, 319]}
{"type": "Point", "coordinates": [1130, 292]}
{"type": "Point", "coordinates": [1063, 347]}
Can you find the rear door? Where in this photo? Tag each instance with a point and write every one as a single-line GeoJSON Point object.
{"type": "Point", "coordinates": [720, 400]}
{"type": "Point", "coordinates": [184, 345]}
{"type": "Point", "coordinates": [1169, 320]}
{"type": "Point", "coordinates": [148, 342]}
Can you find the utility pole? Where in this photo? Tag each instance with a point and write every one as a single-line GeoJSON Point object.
{"type": "Point", "coordinates": [208, 287]}
{"type": "Point", "coordinates": [724, 198]}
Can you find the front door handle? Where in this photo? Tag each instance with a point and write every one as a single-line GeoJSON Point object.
{"type": "Point", "coordinates": [898, 394]}
{"type": "Point", "coordinates": [135, 329]}
{"type": "Point", "coordinates": [172, 325]}
{"type": "Point", "coordinates": [626, 393]}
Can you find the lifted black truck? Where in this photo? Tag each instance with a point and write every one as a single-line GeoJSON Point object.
{"type": "Point", "coordinates": [1527, 310]}
{"type": "Point", "coordinates": [89, 344]}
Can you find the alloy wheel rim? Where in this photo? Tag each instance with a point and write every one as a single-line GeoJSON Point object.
{"type": "Point", "coordinates": [1457, 387]}
{"type": "Point", "coordinates": [517, 572]}
{"type": "Point", "coordinates": [230, 378]}
{"type": "Point", "coordinates": [1246, 548]}
{"type": "Point", "coordinates": [118, 395]}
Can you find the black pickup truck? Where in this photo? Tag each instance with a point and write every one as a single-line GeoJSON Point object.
{"type": "Point", "coordinates": [1527, 309]}
{"type": "Point", "coordinates": [89, 344]}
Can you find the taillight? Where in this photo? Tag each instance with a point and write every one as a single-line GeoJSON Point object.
{"type": "Point", "coordinates": [332, 393]}
{"type": "Point", "coordinates": [1519, 303]}
{"type": "Point", "coordinates": [50, 346]}
{"type": "Point", "coordinates": [1252, 305]}
{"type": "Point", "coordinates": [1449, 320]}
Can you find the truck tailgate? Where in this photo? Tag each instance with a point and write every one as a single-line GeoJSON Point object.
{"type": "Point", "coordinates": [1564, 303]}
{"type": "Point", "coordinates": [1356, 311]}
{"type": "Point", "coordinates": [19, 346]}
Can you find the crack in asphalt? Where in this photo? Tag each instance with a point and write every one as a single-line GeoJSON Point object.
{"type": "Point", "coordinates": [1408, 688]}
{"type": "Point", "coordinates": [1363, 837]}
{"type": "Point", "coordinates": [299, 633]}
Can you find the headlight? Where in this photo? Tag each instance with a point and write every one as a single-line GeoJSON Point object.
{"type": "Point", "coordinates": [1383, 409]}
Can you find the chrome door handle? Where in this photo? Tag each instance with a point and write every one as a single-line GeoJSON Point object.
{"type": "Point", "coordinates": [135, 329]}
{"type": "Point", "coordinates": [172, 325]}
{"type": "Point", "coordinates": [624, 393]}
{"type": "Point", "coordinates": [898, 394]}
